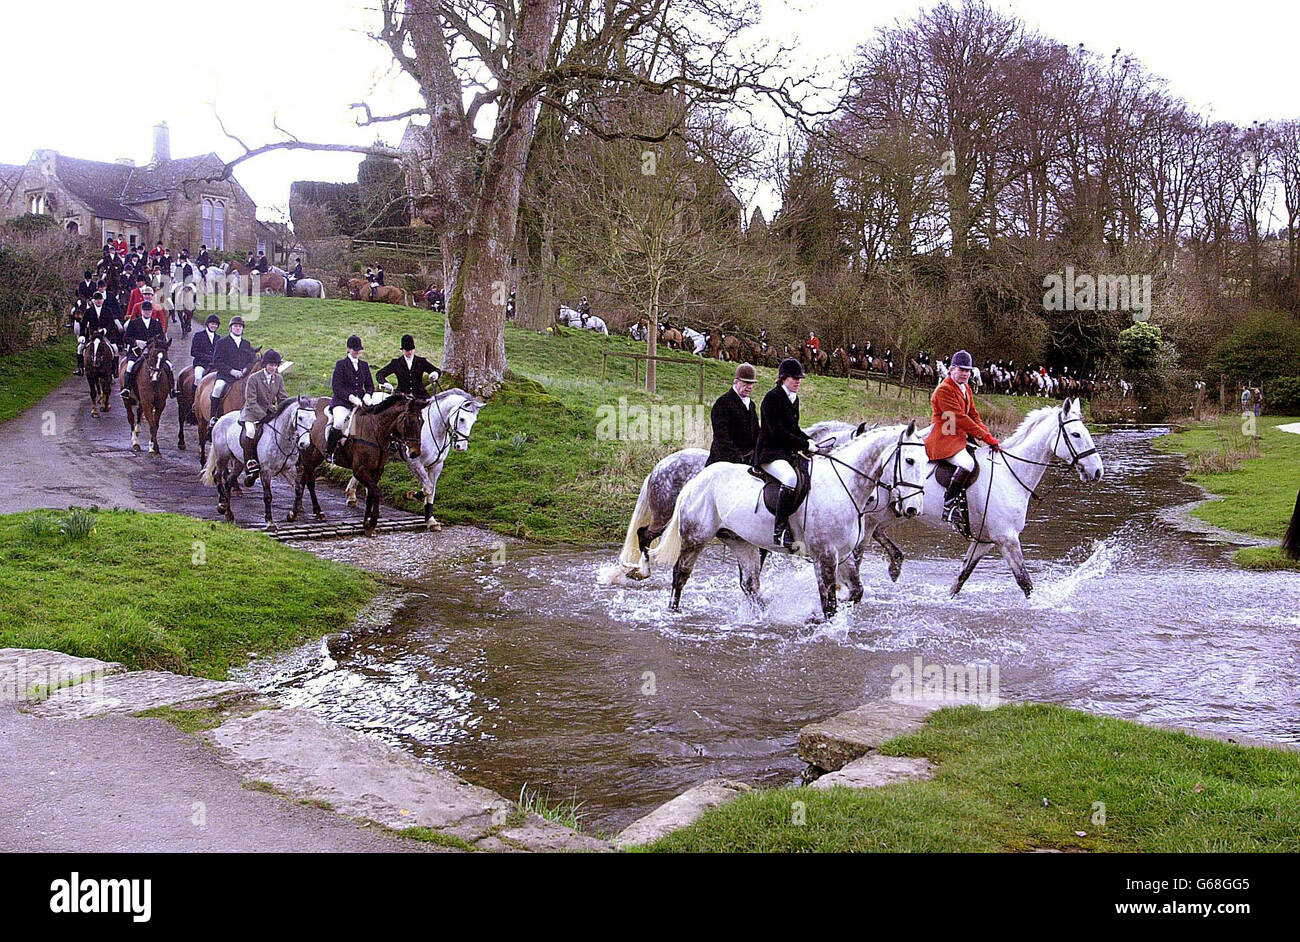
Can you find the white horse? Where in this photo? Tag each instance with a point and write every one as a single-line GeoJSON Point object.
{"type": "Point", "coordinates": [571, 318]}
{"type": "Point", "coordinates": [844, 502]}
{"type": "Point", "coordinates": [303, 287]}
{"type": "Point", "coordinates": [999, 498]}
{"type": "Point", "coordinates": [284, 431]}
{"type": "Point", "coordinates": [661, 487]}
{"type": "Point", "coordinates": [448, 419]}
{"type": "Point", "coordinates": [696, 339]}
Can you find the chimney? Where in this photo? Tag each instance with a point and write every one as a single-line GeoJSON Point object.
{"type": "Point", "coordinates": [162, 143]}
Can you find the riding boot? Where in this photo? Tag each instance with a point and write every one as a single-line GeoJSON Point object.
{"type": "Point", "coordinates": [781, 535]}
{"type": "Point", "coordinates": [127, 381]}
{"type": "Point", "coordinates": [214, 410]}
{"type": "Point", "coordinates": [331, 442]}
{"type": "Point", "coordinates": [251, 467]}
{"type": "Point", "coordinates": [954, 502]}
{"type": "Point", "coordinates": [81, 364]}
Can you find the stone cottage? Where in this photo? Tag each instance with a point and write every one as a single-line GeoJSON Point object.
{"type": "Point", "coordinates": [166, 199]}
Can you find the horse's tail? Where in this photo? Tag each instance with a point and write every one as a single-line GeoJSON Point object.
{"type": "Point", "coordinates": [631, 557]}
{"type": "Point", "coordinates": [208, 477]}
{"type": "Point", "coordinates": [670, 543]}
{"type": "Point", "coordinates": [1291, 541]}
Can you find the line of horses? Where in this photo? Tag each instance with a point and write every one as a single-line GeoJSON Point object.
{"type": "Point", "coordinates": [865, 480]}
{"type": "Point", "coordinates": [421, 432]}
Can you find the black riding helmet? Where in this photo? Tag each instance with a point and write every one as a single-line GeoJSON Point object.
{"type": "Point", "coordinates": [272, 356]}
{"type": "Point", "coordinates": [354, 343]}
{"type": "Point", "coordinates": [212, 319]}
{"type": "Point", "coordinates": [789, 367]}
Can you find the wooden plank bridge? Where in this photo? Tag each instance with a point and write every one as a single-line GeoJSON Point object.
{"type": "Point", "coordinates": [329, 529]}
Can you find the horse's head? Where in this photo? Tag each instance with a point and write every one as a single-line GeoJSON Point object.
{"type": "Point", "coordinates": [466, 416]}
{"type": "Point", "coordinates": [410, 424]}
{"type": "Point", "coordinates": [908, 470]}
{"type": "Point", "coordinates": [1073, 442]}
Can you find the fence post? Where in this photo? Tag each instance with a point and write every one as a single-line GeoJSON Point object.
{"type": "Point", "coordinates": [604, 358]}
{"type": "Point", "coordinates": [701, 382]}
{"type": "Point", "coordinates": [636, 372]}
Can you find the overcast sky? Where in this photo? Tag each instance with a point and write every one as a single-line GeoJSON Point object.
{"type": "Point", "coordinates": [303, 61]}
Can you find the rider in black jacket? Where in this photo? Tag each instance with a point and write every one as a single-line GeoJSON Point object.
{"type": "Point", "coordinates": [735, 420]}
{"type": "Point", "coordinates": [780, 438]}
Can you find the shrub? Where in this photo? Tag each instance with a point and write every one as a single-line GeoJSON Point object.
{"type": "Point", "coordinates": [1265, 346]}
{"type": "Point", "coordinates": [39, 265]}
{"type": "Point", "coordinates": [1282, 396]}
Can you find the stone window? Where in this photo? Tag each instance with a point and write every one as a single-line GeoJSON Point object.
{"type": "Point", "coordinates": [36, 204]}
{"type": "Point", "coordinates": [214, 222]}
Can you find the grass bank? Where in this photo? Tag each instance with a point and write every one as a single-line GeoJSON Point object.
{"type": "Point", "coordinates": [540, 465]}
{"type": "Point", "coordinates": [28, 377]}
{"type": "Point", "coordinates": [164, 592]}
{"type": "Point", "coordinates": [1032, 776]}
{"type": "Point", "coordinates": [1256, 476]}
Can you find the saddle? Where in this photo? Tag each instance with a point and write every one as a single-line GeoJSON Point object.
{"type": "Point", "coordinates": [772, 488]}
{"type": "Point", "coordinates": [945, 469]}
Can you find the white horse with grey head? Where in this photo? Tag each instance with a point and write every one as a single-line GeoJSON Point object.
{"type": "Point", "coordinates": [659, 492]}
{"type": "Point", "coordinates": [876, 474]}
{"type": "Point", "coordinates": [448, 419]}
{"type": "Point", "coordinates": [998, 499]}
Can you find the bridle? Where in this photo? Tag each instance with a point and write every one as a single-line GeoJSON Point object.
{"type": "Point", "coordinates": [898, 488]}
{"type": "Point", "coordinates": [1076, 456]}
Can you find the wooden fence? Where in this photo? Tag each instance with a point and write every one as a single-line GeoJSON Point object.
{"type": "Point", "coordinates": [636, 359]}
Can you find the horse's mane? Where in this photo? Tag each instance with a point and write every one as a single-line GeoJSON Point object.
{"type": "Point", "coordinates": [879, 435]}
{"type": "Point", "coordinates": [457, 391]}
{"type": "Point", "coordinates": [387, 404]}
{"type": "Point", "coordinates": [282, 407]}
{"type": "Point", "coordinates": [1028, 423]}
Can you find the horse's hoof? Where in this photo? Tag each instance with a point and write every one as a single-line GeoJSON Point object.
{"type": "Point", "coordinates": [895, 570]}
{"type": "Point", "coordinates": [352, 502]}
{"type": "Point", "coordinates": [409, 495]}
{"type": "Point", "coordinates": [290, 517]}
{"type": "Point", "coordinates": [135, 448]}
{"type": "Point", "coordinates": [271, 527]}
{"type": "Point", "coordinates": [318, 517]}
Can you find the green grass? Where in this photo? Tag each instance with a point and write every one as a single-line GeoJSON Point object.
{"type": "Point", "coordinates": [565, 811]}
{"type": "Point", "coordinates": [28, 377]}
{"type": "Point", "coordinates": [537, 466]}
{"type": "Point", "coordinates": [188, 721]}
{"type": "Point", "coordinates": [167, 592]}
{"type": "Point", "coordinates": [1256, 476]}
{"type": "Point", "coordinates": [1023, 777]}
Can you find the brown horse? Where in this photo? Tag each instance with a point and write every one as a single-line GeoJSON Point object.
{"type": "Point", "coordinates": [398, 420]}
{"type": "Point", "coordinates": [732, 348]}
{"type": "Point", "coordinates": [813, 359]}
{"type": "Point", "coordinates": [98, 358]}
{"type": "Point", "coordinates": [712, 345]}
{"type": "Point", "coordinates": [842, 361]}
{"type": "Point", "coordinates": [149, 397]}
{"type": "Point", "coordinates": [670, 337]}
{"type": "Point", "coordinates": [270, 282]}
{"type": "Point", "coordinates": [359, 290]}
{"type": "Point", "coordinates": [201, 400]}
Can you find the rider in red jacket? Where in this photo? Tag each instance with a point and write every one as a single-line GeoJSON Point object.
{"type": "Point", "coordinates": [956, 421]}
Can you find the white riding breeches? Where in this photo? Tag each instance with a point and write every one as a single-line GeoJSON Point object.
{"type": "Point", "coordinates": [249, 429]}
{"type": "Point", "coordinates": [963, 460]}
{"type": "Point", "coordinates": [782, 471]}
{"type": "Point", "coordinates": [339, 416]}
{"type": "Point", "coordinates": [218, 387]}
{"type": "Point", "coordinates": [198, 375]}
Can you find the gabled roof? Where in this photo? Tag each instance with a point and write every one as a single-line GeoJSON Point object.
{"type": "Point", "coordinates": [109, 190]}
{"type": "Point", "coordinates": [99, 185]}
{"type": "Point", "coordinates": [158, 181]}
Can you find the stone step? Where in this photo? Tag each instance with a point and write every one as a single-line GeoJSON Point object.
{"type": "Point", "coordinates": [833, 743]}
{"type": "Point", "coordinates": [302, 756]}
{"type": "Point", "coordinates": [874, 771]}
{"type": "Point", "coordinates": [681, 811]}
{"type": "Point", "coordinates": [30, 674]}
{"type": "Point", "coordinates": [135, 691]}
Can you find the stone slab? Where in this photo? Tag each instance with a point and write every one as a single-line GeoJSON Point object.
{"type": "Point", "coordinates": [875, 770]}
{"type": "Point", "coordinates": [24, 671]}
{"type": "Point", "coordinates": [833, 743]}
{"type": "Point", "coordinates": [297, 753]}
{"type": "Point", "coordinates": [135, 691]}
{"type": "Point", "coordinates": [681, 811]}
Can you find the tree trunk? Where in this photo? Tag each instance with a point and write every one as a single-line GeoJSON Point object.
{"type": "Point", "coordinates": [652, 338]}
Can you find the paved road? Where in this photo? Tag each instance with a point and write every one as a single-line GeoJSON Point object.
{"type": "Point", "coordinates": [132, 784]}
{"type": "Point", "coordinates": [125, 783]}
{"type": "Point", "coordinates": [57, 454]}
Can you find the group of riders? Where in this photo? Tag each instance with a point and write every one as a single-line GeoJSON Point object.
{"type": "Point", "coordinates": [770, 440]}
{"type": "Point", "coordinates": [116, 302]}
